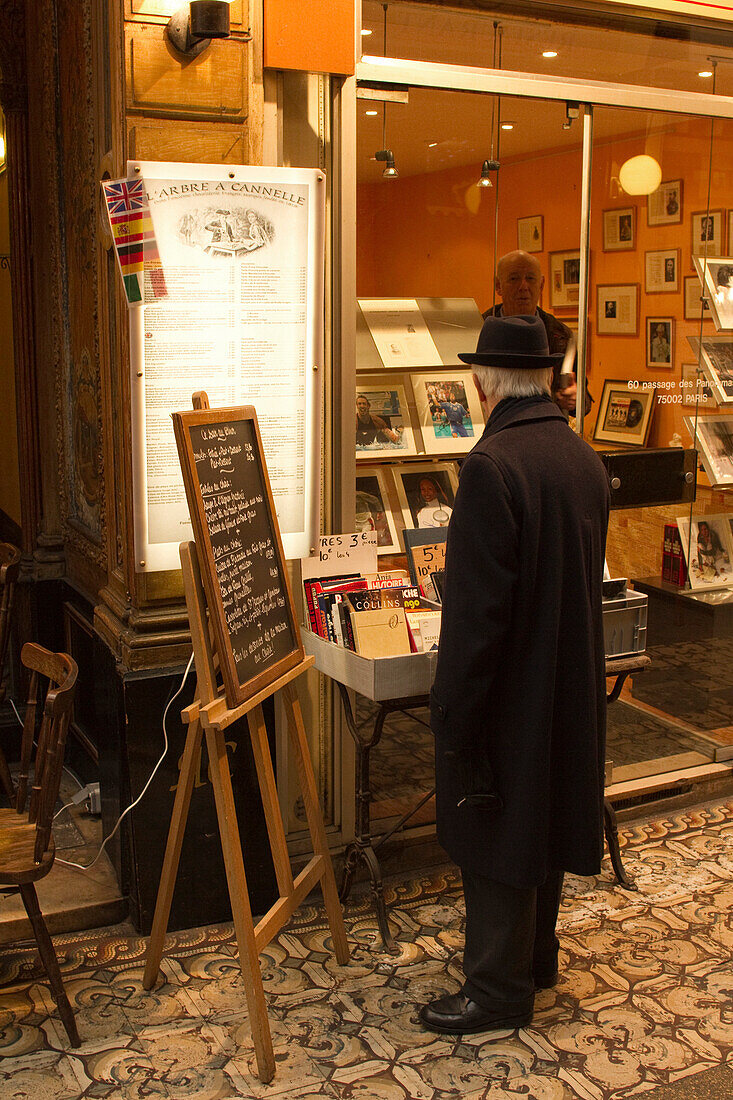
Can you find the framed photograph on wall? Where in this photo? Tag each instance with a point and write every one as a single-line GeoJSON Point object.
{"type": "Point", "coordinates": [373, 512]}
{"type": "Point", "coordinates": [426, 492]}
{"type": "Point", "coordinates": [716, 277]}
{"type": "Point", "coordinates": [530, 233]}
{"type": "Point", "coordinates": [617, 310]}
{"type": "Point", "coordinates": [696, 388]}
{"type": "Point", "coordinates": [714, 441]}
{"type": "Point", "coordinates": [659, 341]}
{"type": "Point", "coordinates": [382, 419]}
{"type": "Point", "coordinates": [564, 279]}
{"type": "Point", "coordinates": [664, 206]}
{"type": "Point", "coordinates": [708, 229]}
{"type": "Point", "coordinates": [695, 304]}
{"type": "Point", "coordinates": [448, 411]}
{"type": "Point", "coordinates": [624, 414]}
{"type": "Point", "coordinates": [662, 271]}
{"type": "Point", "coordinates": [715, 355]}
{"type": "Point", "coordinates": [619, 229]}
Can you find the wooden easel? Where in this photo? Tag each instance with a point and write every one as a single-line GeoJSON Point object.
{"type": "Point", "coordinates": [210, 716]}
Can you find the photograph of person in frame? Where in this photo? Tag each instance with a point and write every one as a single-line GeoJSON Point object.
{"type": "Point", "coordinates": [430, 497]}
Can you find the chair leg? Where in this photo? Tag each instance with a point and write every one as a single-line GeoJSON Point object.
{"type": "Point", "coordinates": [50, 962]}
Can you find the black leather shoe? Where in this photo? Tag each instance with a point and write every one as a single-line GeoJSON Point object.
{"type": "Point", "coordinates": [458, 1014]}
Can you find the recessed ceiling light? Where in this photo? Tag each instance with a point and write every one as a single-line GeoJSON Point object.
{"type": "Point", "coordinates": [549, 53]}
{"type": "Point", "coordinates": [365, 33]}
{"type": "Point", "coordinates": [705, 73]}
{"type": "Point", "coordinates": [432, 144]}
{"type": "Point", "coordinates": [507, 125]}
{"type": "Point", "coordinates": [371, 112]}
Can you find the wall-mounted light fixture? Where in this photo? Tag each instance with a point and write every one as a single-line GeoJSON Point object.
{"type": "Point", "coordinates": [390, 172]}
{"type": "Point", "coordinates": [640, 175]}
{"type": "Point", "coordinates": [194, 25]}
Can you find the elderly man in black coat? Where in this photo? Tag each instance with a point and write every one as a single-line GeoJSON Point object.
{"type": "Point", "coordinates": [518, 707]}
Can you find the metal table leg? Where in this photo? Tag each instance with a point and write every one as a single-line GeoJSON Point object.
{"type": "Point", "coordinates": [362, 848]}
{"type": "Point", "coordinates": [610, 826]}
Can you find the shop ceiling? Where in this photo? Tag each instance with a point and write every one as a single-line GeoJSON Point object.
{"type": "Point", "coordinates": [438, 130]}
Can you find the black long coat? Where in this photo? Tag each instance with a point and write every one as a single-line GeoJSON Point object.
{"type": "Point", "coordinates": [518, 707]}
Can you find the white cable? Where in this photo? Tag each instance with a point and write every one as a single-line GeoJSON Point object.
{"type": "Point", "coordinates": [87, 866]}
{"type": "Point", "coordinates": [20, 720]}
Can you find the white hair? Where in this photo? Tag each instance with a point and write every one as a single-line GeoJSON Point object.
{"type": "Point", "coordinates": [500, 382]}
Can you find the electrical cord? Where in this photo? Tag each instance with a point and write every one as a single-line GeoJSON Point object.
{"type": "Point", "coordinates": [105, 842]}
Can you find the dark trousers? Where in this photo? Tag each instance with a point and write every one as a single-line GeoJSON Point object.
{"type": "Point", "coordinates": [510, 937]}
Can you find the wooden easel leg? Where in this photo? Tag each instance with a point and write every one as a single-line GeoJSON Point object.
{"type": "Point", "coordinates": [299, 742]}
{"type": "Point", "coordinates": [189, 765]}
{"type": "Point", "coordinates": [241, 911]}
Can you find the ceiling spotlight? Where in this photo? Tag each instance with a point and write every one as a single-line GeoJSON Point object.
{"type": "Point", "coordinates": [432, 144]}
{"type": "Point", "coordinates": [390, 172]}
{"type": "Point", "coordinates": [549, 53]}
{"type": "Point", "coordinates": [705, 73]}
{"type": "Point", "coordinates": [365, 33]}
{"type": "Point", "coordinates": [371, 112]}
{"type": "Point", "coordinates": [507, 125]}
{"type": "Point", "coordinates": [487, 167]}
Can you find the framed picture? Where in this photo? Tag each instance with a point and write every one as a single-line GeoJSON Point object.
{"type": "Point", "coordinates": [696, 387]}
{"type": "Point", "coordinates": [716, 278]}
{"type": "Point", "coordinates": [662, 271]}
{"type": "Point", "coordinates": [618, 310]}
{"type": "Point", "coordinates": [564, 279]}
{"type": "Point", "coordinates": [695, 305]}
{"type": "Point", "coordinates": [619, 229]}
{"type": "Point", "coordinates": [714, 440]}
{"type": "Point", "coordinates": [373, 512]}
{"type": "Point", "coordinates": [708, 548]}
{"type": "Point", "coordinates": [664, 206]}
{"type": "Point", "coordinates": [715, 355]}
{"type": "Point", "coordinates": [426, 492]}
{"type": "Point", "coordinates": [530, 233]}
{"type": "Point", "coordinates": [624, 414]}
{"type": "Point", "coordinates": [382, 419]}
{"type": "Point", "coordinates": [707, 233]}
{"type": "Point", "coordinates": [448, 411]}
{"type": "Point", "coordinates": [659, 341]}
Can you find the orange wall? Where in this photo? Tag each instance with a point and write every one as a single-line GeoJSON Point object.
{"type": "Point", "coordinates": [425, 236]}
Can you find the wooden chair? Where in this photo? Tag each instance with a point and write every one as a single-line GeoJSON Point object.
{"type": "Point", "coordinates": [26, 839]}
{"type": "Point", "coordinates": [9, 568]}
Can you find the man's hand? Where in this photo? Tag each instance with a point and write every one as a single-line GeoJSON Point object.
{"type": "Point", "coordinates": [567, 397]}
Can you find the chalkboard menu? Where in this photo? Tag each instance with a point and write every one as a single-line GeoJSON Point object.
{"type": "Point", "coordinates": [239, 548]}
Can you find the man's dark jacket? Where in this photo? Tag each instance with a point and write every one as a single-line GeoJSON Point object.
{"type": "Point", "coordinates": [518, 707]}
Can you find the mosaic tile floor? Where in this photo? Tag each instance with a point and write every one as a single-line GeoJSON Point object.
{"type": "Point", "coordinates": [644, 1003]}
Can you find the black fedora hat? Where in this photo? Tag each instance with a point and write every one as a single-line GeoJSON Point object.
{"type": "Point", "coordinates": [519, 341]}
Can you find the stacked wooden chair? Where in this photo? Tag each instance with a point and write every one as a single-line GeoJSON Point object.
{"type": "Point", "coordinates": [26, 839]}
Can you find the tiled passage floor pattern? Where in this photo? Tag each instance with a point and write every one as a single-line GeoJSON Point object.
{"type": "Point", "coordinates": [644, 1005]}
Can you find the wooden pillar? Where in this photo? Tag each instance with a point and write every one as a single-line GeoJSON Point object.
{"type": "Point", "coordinates": [14, 100]}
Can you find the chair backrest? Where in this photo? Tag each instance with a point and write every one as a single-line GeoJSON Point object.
{"type": "Point", "coordinates": [9, 568]}
{"type": "Point", "coordinates": [60, 671]}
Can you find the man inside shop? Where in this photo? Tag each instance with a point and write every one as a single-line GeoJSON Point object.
{"type": "Point", "coordinates": [519, 282]}
{"type": "Point", "coordinates": [370, 428]}
{"type": "Point", "coordinates": [518, 706]}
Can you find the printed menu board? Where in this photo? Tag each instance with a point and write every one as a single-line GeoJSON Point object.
{"type": "Point", "coordinates": [239, 547]}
